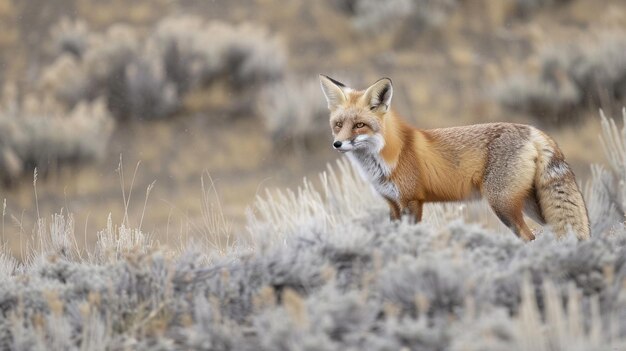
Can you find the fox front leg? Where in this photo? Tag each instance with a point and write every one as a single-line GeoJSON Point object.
{"type": "Point", "coordinates": [415, 209]}
{"type": "Point", "coordinates": [394, 210]}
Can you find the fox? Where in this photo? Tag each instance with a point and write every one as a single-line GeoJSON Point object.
{"type": "Point", "coordinates": [516, 168]}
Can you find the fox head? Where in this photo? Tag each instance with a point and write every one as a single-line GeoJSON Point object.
{"type": "Point", "coordinates": [357, 116]}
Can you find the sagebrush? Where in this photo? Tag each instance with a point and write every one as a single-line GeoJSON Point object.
{"type": "Point", "coordinates": [573, 78]}
{"type": "Point", "coordinates": [36, 133]}
{"type": "Point", "coordinates": [146, 76]}
{"type": "Point", "coordinates": [420, 16]}
{"type": "Point", "coordinates": [292, 111]}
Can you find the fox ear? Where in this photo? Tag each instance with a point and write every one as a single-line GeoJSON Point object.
{"type": "Point", "coordinates": [333, 90]}
{"type": "Point", "coordinates": [379, 95]}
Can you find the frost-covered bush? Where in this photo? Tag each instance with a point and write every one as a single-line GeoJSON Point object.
{"type": "Point", "coordinates": [114, 66]}
{"type": "Point", "coordinates": [372, 16]}
{"type": "Point", "coordinates": [293, 112]}
{"type": "Point", "coordinates": [198, 52]}
{"type": "Point", "coordinates": [71, 37]}
{"type": "Point", "coordinates": [553, 97]}
{"type": "Point", "coordinates": [375, 17]}
{"type": "Point", "coordinates": [524, 8]}
{"type": "Point", "coordinates": [178, 41]}
{"type": "Point", "coordinates": [147, 76]}
{"type": "Point", "coordinates": [143, 92]}
{"type": "Point", "coordinates": [605, 192]}
{"type": "Point", "coordinates": [67, 81]}
{"type": "Point", "coordinates": [39, 134]}
{"type": "Point", "coordinates": [246, 54]}
{"type": "Point", "coordinates": [573, 78]}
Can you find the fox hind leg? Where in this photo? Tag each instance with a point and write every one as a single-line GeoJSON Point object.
{"type": "Point", "coordinates": [508, 184]}
{"type": "Point", "coordinates": [511, 215]}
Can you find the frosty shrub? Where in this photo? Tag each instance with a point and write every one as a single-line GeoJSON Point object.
{"type": "Point", "coordinates": [372, 16]}
{"type": "Point", "coordinates": [143, 93]}
{"type": "Point", "coordinates": [146, 76]}
{"type": "Point", "coordinates": [605, 192]}
{"type": "Point", "coordinates": [178, 41]}
{"type": "Point", "coordinates": [66, 80]}
{"type": "Point", "coordinates": [198, 52]}
{"type": "Point", "coordinates": [343, 194]}
{"type": "Point", "coordinates": [70, 37]}
{"type": "Point", "coordinates": [292, 112]}
{"type": "Point", "coordinates": [247, 54]}
{"type": "Point", "coordinates": [114, 66]}
{"type": "Point", "coordinates": [116, 242]}
{"type": "Point", "coordinates": [416, 16]}
{"type": "Point", "coordinates": [524, 8]}
{"type": "Point", "coordinates": [39, 134]}
{"type": "Point", "coordinates": [281, 213]}
{"type": "Point", "coordinates": [572, 78]}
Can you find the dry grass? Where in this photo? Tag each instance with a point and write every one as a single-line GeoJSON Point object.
{"type": "Point", "coordinates": [341, 196]}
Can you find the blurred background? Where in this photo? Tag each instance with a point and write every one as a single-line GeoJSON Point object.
{"type": "Point", "coordinates": [154, 113]}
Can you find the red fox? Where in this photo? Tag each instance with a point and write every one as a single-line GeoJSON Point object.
{"type": "Point", "coordinates": [517, 168]}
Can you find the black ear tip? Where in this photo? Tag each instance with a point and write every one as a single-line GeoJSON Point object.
{"type": "Point", "coordinates": [334, 81]}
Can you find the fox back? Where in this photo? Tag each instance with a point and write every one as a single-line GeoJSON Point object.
{"type": "Point", "coordinates": [517, 168]}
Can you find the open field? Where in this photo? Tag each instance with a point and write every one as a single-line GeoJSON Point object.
{"type": "Point", "coordinates": [147, 149]}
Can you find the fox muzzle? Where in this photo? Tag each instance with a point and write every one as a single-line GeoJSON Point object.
{"type": "Point", "coordinates": [343, 146]}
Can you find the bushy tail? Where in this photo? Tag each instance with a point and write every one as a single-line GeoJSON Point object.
{"type": "Point", "coordinates": [560, 200]}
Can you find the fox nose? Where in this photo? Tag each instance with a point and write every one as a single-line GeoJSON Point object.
{"type": "Point", "coordinates": [337, 144]}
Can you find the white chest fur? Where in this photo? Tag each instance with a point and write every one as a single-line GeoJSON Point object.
{"type": "Point", "coordinates": [375, 170]}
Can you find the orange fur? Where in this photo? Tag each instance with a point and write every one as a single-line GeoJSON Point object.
{"type": "Point", "coordinates": [443, 174]}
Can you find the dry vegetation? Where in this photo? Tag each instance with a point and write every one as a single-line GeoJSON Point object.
{"type": "Point", "coordinates": [147, 77]}
{"type": "Point", "coordinates": [320, 267]}
{"type": "Point", "coordinates": [573, 78]}
{"type": "Point", "coordinates": [41, 135]}
{"type": "Point", "coordinates": [323, 269]}
{"type": "Point", "coordinates": [136, 76]}
{"type": "Point", "coordinates": [293, 112]}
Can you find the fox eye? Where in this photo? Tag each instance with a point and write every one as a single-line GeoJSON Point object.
{"type": "Point", "coordinates": [339, 124]}
{"type": "Point", "coordinates": [360, 125]}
